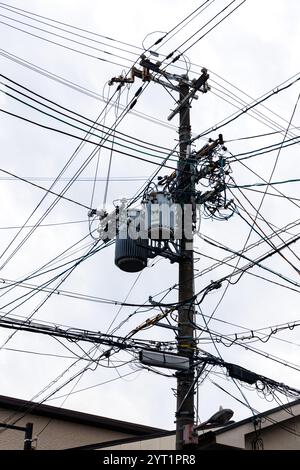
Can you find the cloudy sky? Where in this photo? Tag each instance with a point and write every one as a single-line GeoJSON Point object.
{"type": "Point", "coordinates": [250, 54]}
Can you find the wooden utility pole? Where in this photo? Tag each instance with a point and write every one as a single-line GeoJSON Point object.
{"type": "Point", "coordinates": [185, 338]}
{"type": "Point", "coordinates": [28, 429]}
{"type": "Point", "coordinates": [184, 196]}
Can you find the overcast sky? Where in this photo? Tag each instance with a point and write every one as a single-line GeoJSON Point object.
{"type": "Point", "coordinates": [251, 53]}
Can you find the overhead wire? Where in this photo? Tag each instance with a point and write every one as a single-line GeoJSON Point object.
{"type": "Point", "coordinates": [77, 87]}
{"type": "Point", "coordinates": [257, 136]}
{"type": "Point", "coordinates": [69, 48]}
{"type": "Point", "coordinates": [132, 46]}
{"type": "Point", "coordinates": [48, 191]}
{"type": "Point", "coordinates": [82, 139]}
{"type": "Point", "coordinates": [259, 116]}
{"type": "Point", "coordinates": [66, 274]}
{"type": "Point", "coordinates": [257, 102]}
{"type": "Point", "coordinates": [271, 194]}
{"type": "Point", "coordinates": [54, 224]}
{"type": "Point", "coordinates": [257, 213]}
{"type": "Point", "coordinates": [207, 32]}
{"type": "Point", "coordinates": [83, 166]}
{"type": "Point", "coordinates": [254, 223]}
{"type": "Point", "coordinates": [267, 418]}
{"type": "Point", "coordinates": [291, 200]}
{"type": "Point", "coordinates": [121, 135]}
{"type": "Point", "coordinates": [67, 186]}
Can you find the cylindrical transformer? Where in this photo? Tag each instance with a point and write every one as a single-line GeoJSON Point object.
{"type": "Point", "coordinates": [131, 250]}
{"type": "Point", "coordinates": [160, 217]}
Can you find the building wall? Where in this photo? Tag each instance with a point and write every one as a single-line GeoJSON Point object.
{"type": "Point", "coordinates": [274, 436]}
{"type": "Point", "coordinates": [58, 434]}
{"type": "Point", "coordinates": [278, 437]}
{"type": "Point", "coordinates": [233, 437]}
{"type": "Point", "coordinates": [276, 431]}
{"type": "Point", "coordinates": [161, 443]}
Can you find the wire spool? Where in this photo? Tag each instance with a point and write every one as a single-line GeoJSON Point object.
{"type": "Point", "coordinates": [131, 249]}
{"type": "Point", "coordinates": [160, 217]}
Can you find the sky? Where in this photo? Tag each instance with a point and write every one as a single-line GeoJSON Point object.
{"type": "Point", "coordinates": [249, 55]}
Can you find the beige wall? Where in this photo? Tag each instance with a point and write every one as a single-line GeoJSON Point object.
{"type": "Point", "coordinates": [278, 438]}
{"type": "Point", "coordinates": [161, 443]}
{"type": "Point", "coordinates": [58, 434]}
{"type": "Point", "coordinates": [61, 434]}
{"type": "Point", "coordinates": [274, 436]}
{"type": "Point", "coordinates": [274, 431]}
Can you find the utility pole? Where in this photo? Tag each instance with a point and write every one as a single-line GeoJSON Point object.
{"type": "Point", "coordinates": [28, 429]}
{"type": "Point", "coordinates": [28, 436]}
{"type": "Point", "coordinates": [185, 338]}
{"type": "Point", "coordinates": [183, 193]}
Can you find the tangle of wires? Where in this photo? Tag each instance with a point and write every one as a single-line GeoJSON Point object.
{"type": "Point", "coordinates": [262, 384]}
{"type": "Point", "coordinates": [213, 169]}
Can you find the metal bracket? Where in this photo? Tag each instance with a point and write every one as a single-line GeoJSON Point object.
{"type": "Point", "coordinates": [165, 251]}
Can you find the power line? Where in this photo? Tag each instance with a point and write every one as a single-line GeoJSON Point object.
{"type": "Point", "coordinates": [37, 353]}
{"type": "Point", "coordinates": [82, 129]}
{"type": "Point", "coordinates": [162, 38]}
{"type": "Point", "coordinates": [130, 45]}
{"type": "Point", "coordinates": [271, 244]}
{"type": "Point", "coordinates": [292, 200]}
{"type": "Point", "coordinates": [85, 179]}
{"type": "Point", "coordinates": [54, 224]}
{"type": "Point", "coordinates": [117, 122]}
{"type": "Point", "coordinates": [82, 139]}
{"type": "Point", "coordinates": [267, 149]}
{"type": "Point", "coordinates": [247, 108]}
{"type": "Point", "coordinates": [211, 29]}
{"type": "Point", "coordinates": [257, 136]}
{"type": "Point", "coordinates": [257, 263]}
{"type": "Point", "coordinates": [229, 343]}
{"type": "Point", "coordinates": [77, 87]}
{"type": "Point", "coordinates": [121, 135]}
{"type": "Point", "coordinates": [273, 194]}
{"type": "Point", "coordinates": [48, 191]}
{"type": "Point", "coordinates": [69, 48]}
{"type": "Point", "coordinates": [254, 113]}
{"type": "Point", "coordinates": [37, 272]}
{"type": "Point", "coordinates": [94, 386]}
{"type": "Point", "coordinates": [254, 222]}
{"type": "Point", "coordinates": [267, 418]}
{"type": "Point", "coordinates": [242, 270]}
{"type": "Point", "coordinates": [95, 95]}
{"type": "Point", "coordinates": [4, 5]}
{"type": "Point", "coordinates": [79, 171]}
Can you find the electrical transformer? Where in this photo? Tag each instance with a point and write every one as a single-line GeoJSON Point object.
{"type": "Point", "coordinates": [160, 217]}
{"type": "Point", "coordinates": [131, 248]}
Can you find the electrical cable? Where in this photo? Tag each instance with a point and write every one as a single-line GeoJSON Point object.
{"type": "Point", "coordinates": [54, 224]}
{"type": "Point", "coordinates": [83, 118]}
{"type": "Point", "coordinates": [211, 29]}
{"type": "Point", "coordinates": [48, 191]}
{"type": "Point", "coordinates": [135, 47]}
{"type": "Point", "coordinates": [270, 243]}
{"type": "Point", "coordinates": [235, 116]}
{"type": "Point", "coordinates": [267, 418]}
{"type": "Point", "coordinates": [77, 87]}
